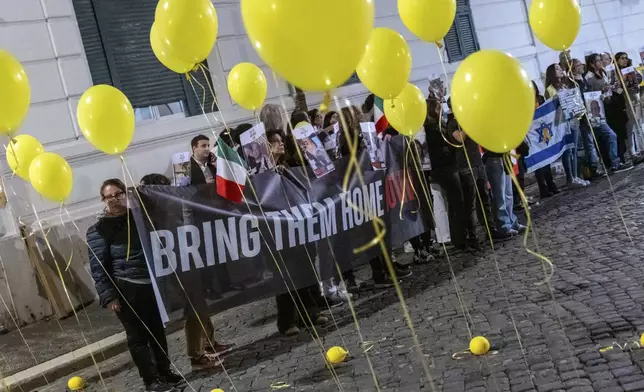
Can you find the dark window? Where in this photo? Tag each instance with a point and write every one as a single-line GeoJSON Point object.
{"type": "Point", "coordinates": [461, 39]}
{"type": "Point", "coordinates": [116, 37]}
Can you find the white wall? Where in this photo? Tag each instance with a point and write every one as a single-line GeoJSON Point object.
{"type": "Point", "coordinates": [44, 36]}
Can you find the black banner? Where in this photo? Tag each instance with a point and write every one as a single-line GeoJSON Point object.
{"type": "Point", "coordinates": [291, 229]}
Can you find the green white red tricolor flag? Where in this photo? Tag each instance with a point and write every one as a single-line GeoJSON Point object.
{"type": "Point", "coordinates": [231, 174]}
{"type": "Point", "coordinates": [379, 115]}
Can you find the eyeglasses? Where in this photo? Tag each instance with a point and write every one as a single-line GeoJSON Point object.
{"type": "Point", "coordinates": [115, 196]}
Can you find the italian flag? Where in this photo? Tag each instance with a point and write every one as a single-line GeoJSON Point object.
{"type": "Point", "coordinates": [379, 115]}
{"type": "Point", "coordinates": [231, 174]}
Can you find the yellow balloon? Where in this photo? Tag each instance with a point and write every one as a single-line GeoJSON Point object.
{"type": "Point", "coordinates": [217, 390]}
{"type": "Point", "coordinates": [336, 355]}
{"type": "Point", "coordinates": [493, 100]}
{"type": "Point", "coordinates": [307, 55]}
{"type": "Point", "coordinates": [51, 176]}
{"type": "Point", "coordinates": [407, 112]}
{"type": "Point", "coordinates": [21, 152]}
{"type": "Point", "coordinates": [76, 383]}
{"type": "Point", "coordinates": [386, 63]}
{"type": "Point", "coordinates": [106, 118]}
{"type": "Point", "coordinates": [247, 85]}
{"type": "Point", "coordinates": [188, 27]}
{"type": "Point", "coordinates": [555, 22]}
{"type": "Point", "coordinates": [479, 345]}
{"type": "Point", "coordinates": [15, 94]}
{"type": "Point", "coordinates": [429, 20]}
{"type": "Point", "coordinates": [164, 56]}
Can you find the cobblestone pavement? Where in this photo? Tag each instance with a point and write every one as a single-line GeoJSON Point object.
{"type": "Point", "coordinates": [545, 337]}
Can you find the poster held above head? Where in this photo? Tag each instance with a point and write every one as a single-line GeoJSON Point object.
{"type": "Point", "coordinates": [256, 151]}
{"type": "Point", "coordinates": [313, 150]}
{"type": "Point", "coordinates": [375, 146]}
{"type": "Point", "coordinates": [181, 168]}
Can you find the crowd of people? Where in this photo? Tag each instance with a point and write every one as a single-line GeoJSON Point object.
{"type": "Point", "coordinates": [461, 174]}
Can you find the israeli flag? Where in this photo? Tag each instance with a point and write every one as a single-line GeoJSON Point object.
{"type": "Point", "coordinates": [549, 136]}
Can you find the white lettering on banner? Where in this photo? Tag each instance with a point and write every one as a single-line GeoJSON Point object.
{"type": "Point", "coordinates": [208, 239]}
{"type": "Point", "coordinates": [379, 197]}
{"type": "Point", "coordinates": [295, 223]}
{"type": "Point", "coordinates": [311, 220]}
{"type": "Point", "coordinates": [239, 236]}
{"type": "Point", "coordinates": [226, 239]}
{"type": "Point", "coordinates": [189, 247]}
{"type": "Point", "coordinates": [347, 211]}
{"type": "Point", "coordinates": [158, 251]}
{"type": "Point", "coordinates": [277, 226]}
{"type": "Point", "coordinates": [358, 206]}
{"type": "Point", "coordinates": [247, 249]}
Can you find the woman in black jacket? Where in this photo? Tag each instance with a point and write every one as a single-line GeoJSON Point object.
{"type": "Point", "coordinates": [124, 286]}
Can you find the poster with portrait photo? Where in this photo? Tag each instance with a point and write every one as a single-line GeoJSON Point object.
{"type": "Point", "coordinates": [595, 107]}
{"type": "Point", "coordinates": [629, 74]}
{"type": "Point", "coordinates": [572, 104]}
{"type": "Point", "coordinates": [313, 150]}
{"type": "Point", "coordinates": [610, 72]}
{"type": "Point", "coordinates": [181, 168]}
{"type": "Point", "coordinates": [331, 142]}
{"type": "Point", "coordinates": [256, 151]}
{"type": "Point", "coordinates": [421, 138]}
{"type": "Point", "coordinates": [374, 145]}
{"type": "Point", "coordinates": [641, 50]}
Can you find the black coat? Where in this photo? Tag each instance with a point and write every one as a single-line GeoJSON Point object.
{"type": "Point", "coordinates": [196, 175]}
{"type": "Point", "coordinates": [108, 255]}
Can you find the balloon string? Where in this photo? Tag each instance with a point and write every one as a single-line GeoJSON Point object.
{"type": "Point", "coordinates": [380, 229]}
{"type": "Point", "coordinates": [121, 296]}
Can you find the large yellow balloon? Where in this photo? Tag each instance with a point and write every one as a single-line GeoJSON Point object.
{"type": "Point", "coordinates": [15, 94]}
{"type": "Point", "coordinates": [164, 56]}
{"type": "Point", "coordinates": [493, 100]}
{"type": "Point", "coordinates": [407, 112]}
{"type": "Point", "coordinates": [555, 22]}
{"type": "Point", "coordinates": [306, 54]}
{"type": "Point", "coordinates": [386, 63]}
{"type": "Point", "coordinates": [247, 85]}
{"type": "Point", "coordinates": [188, 27]}
{"type": "Point", "coordinates": [51, 176]}
{"type": "Point", "coordinates": [106, 118]}
{"type": "Point", "coordinates": [21, 152]}
{"type": "Point", "coordinates": [429, 20]}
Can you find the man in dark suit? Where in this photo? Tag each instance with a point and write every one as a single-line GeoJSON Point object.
{"type": "Point", "coordinates": [202, 163]}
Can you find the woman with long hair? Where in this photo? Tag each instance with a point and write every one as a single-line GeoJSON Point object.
{"type": "Point", "coordinates": [629, 101]}
{"type": "Point", "coordinates": [557, 81]}
{"type": "Point", "coordinates": [597, 80]}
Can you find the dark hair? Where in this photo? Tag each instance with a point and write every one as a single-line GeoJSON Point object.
{"type": "Point", "coordinates": [368, 103]}
{"type": "Point", "coordinates": [313, 113]}
{"type": "Point", "coordinates": [620, 54]}
{"type": "Point", "coordinates": [235, 134]}
{"type": "Point", "coordinates": [298, 116]}
{"type": "Point", "coordinates": [538, 98]}
{"type": "Point", "coordinates": [590, 65]}
{"type": "Point", "coordinates": [114, 182]}
{"type": "Point", "coordinates": [195, 140]}
{"type": "Point", "coordinates": [551, 77]}
{"type": "Point", "coordinates": [327, 119]}
{"type": "Point", "coordinates": [273, 132]}
{"type": "Point", "coordinates": [432, 105]}
{"type": "Point", "coordinates": [155, 179]}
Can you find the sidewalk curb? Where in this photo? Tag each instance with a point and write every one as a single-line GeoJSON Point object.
{"type": "Point", "coordinates": [64, 365]}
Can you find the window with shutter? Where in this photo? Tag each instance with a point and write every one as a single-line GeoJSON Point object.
{"type": "Point", "coordinates": [461, 39]}
{"type": "Point", "coordinates": [116, 35]}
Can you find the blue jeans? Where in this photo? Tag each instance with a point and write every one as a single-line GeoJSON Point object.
{"type": "Point", "coordinates": [569, 158]}
{"type": "Point", "coordinates": [606, 137]}
{"type": "Point", "coordinates": [502, 198]}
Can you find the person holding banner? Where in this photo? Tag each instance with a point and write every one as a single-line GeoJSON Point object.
{"type": "Point", "coordinates": [598, 80]}
{"type": "Point", "coordinates": [124, 286]}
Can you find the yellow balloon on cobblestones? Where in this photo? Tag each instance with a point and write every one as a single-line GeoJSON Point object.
{"type": "Point", "coordinates": [479, 345]}
{"type": "Point", "coordinates": [642, 339]}
{"type": "Point", "coordinates": [217, 390]}
{"type": "Point", "coordinates": [76, 383]}
{"type": "Point", "coordinates": [336, 355]}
